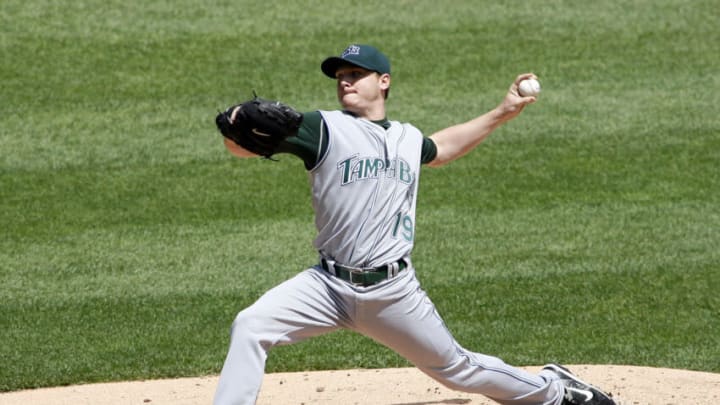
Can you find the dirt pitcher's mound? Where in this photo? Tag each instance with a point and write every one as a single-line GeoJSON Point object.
{"type": "Point", "coordinates": [629, 385]}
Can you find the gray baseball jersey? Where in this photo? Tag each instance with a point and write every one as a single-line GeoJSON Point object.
{"type": "Point", "coordinates": [364, 191]}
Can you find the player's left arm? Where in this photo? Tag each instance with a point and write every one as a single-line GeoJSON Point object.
{"type": "Point", "coordinates": [257, 126]}
{"type": "Point", "coordinates": [457, 140]}
{"type": "Point", "coordinates": [309, 144]}
{"type": "Point", "coordinates": [237, 150]}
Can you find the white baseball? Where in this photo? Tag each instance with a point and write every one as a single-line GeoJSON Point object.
{"type": "Point", "coordinates": [529, 88]}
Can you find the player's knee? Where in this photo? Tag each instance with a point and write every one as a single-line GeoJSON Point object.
{"type": "Point", "coordinates": [243, 321]}
{"type": "Point", "coordinates": [249, 325]}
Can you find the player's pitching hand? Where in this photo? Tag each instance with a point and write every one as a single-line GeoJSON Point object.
{"type": "Point", "coordinates": [514, 103]}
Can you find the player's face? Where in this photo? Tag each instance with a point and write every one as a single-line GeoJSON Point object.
{"type": "Point", "coordinates": [359, 89]}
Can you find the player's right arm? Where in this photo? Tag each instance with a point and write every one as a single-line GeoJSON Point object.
{"type": "Point", "coordinates": [457, 140]}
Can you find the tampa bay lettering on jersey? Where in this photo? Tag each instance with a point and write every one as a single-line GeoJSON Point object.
{"type": "Point", "coordinates": [355, 168]}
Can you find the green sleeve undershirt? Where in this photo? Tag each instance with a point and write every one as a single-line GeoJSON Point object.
{"type": "Point", "coordinates": [307, 146]}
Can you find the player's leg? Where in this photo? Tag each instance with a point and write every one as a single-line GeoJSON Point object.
{"type": "Point", "coordinates": [401, 316]}
{"type": "Point", "coordinates": [296, 309]}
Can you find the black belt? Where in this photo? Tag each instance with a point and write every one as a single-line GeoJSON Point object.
{"type": "Point", "coordinates": [364, 276]}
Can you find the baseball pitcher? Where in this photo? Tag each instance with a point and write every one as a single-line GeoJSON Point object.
{"type": "Point", "coordinates": [364, 171]}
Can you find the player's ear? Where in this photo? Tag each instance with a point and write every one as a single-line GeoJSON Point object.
{"type": "Point", "coordinates": [385, 84]}
{"type": "Point", "coordinates": [384, 81]}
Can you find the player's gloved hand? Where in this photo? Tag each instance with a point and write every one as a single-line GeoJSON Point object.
{"type": "Point", "coordinates": [259, 125]}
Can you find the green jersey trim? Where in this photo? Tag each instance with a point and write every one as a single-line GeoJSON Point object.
{"type": "Point", "coordinates": [310, 144]}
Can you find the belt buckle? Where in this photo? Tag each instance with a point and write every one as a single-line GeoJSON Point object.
{"type": "Point", "coordinates": [356, 272]}
{"type": "Point", "coordinates": [359, 275]}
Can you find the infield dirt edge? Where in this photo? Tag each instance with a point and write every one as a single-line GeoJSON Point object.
{"type": "Point", "coordinates": [630, 385]}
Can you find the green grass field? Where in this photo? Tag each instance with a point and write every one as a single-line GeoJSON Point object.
{"type": "Point", "coordinates": [585, 231]}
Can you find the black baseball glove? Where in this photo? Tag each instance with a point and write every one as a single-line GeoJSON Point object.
{"type": "Point", "coordinates": [259, 125]}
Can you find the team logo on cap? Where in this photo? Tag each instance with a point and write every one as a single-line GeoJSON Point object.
{"type": "Point", "coordinates": [351, 50]}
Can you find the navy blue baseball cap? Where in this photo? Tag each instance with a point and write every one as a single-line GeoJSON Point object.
{"type": "Point", "coordinates": [364, 56]}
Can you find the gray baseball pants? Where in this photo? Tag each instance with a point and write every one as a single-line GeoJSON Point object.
{"type": "Point", "coordinates": [396, 313]}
